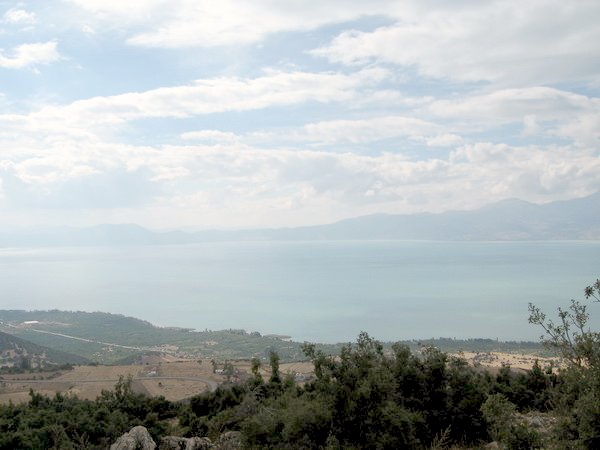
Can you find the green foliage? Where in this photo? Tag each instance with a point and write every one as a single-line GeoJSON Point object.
{"type": "Point", "coordinates": [274, 363]}
{"type": "Point", "coordinates": [499, 413]}
{"type": "Point", "coordinates": [577, 395]}
{"type": "Point", "coordinates": [68, 422]}
{"type": "Point", "coordinates": [255, 369]}
{"type": "Point", "coordinates": [369, 396]}
{"type": "Point", "coordinates": [365, 398]}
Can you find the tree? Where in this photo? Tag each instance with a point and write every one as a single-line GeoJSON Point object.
{"type": "Point", "coordinates": [274, 362]}
{"type": "Point", "coordinates": [256, 370]}
{"type": "Point", "coordinates": [571, 337]}
{"type": "Point", "coordinates": [579, 394]}
{"type": "Point", "coordinates": [228, 370]}
{"type": "Point", "coordinates": [593, 291]}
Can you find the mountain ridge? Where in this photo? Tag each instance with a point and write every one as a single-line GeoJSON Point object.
{"type": "Point", "coordinates": [509, 219]}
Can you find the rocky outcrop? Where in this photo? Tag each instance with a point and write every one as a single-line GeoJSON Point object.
{"type": "Point", "coordinates": [543, 423]}
{"type": "Point", "coordinates": [493, 446]}
{"type": "Point", "coordinates": [180, 443]}
{"type": "Point", "coordinates": [230, 440]}
{"type": "Point", "coordinates": [137, 438]}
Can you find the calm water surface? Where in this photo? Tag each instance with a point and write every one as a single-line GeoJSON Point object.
{"type": "Point", "coordinates": [323, 291]}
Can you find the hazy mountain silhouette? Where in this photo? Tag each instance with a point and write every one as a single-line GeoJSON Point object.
{"type": "Point", "coordinates": [510, 219]}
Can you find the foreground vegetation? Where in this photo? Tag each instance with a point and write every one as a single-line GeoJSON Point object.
{"type": "Point", "coordinates": [367, 397]}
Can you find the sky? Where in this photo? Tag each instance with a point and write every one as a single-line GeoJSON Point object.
{"type": "Point", "coordinates": [198, 114]}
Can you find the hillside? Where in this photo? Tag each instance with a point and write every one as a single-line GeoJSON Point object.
{"type": "Point", "coordinates": [113, 338]}
{"type": "Point", "coordinates": [19, 353]}
{"type": "Point", "coordinates": [110, 338]}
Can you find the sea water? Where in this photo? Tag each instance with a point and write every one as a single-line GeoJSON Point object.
{"type": "Point", "coordinates": [324, 291]}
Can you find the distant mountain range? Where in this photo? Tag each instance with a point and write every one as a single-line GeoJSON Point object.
{"type": "Point", "coordinates": [512, 219]}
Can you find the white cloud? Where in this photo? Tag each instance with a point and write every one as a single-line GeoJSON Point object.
{"type": "Point", "coordinates": [337, 134]}
{"type": "Point", "coordinates": [209, 136]}
{"type": "Point", "coordinates": [512, 43]}
{"type": "Point", "coordinates": [531, 172]}
{"type": "Point", "coordinates": [444, 140]}
{"type": "Point", "coordinates": [88, 29]}
{"type": "Point", "coordinates": [508, 105]}
{"type": "Point", "coordinates": [541, 109]}
{"type": "Point", "coordinates": [368, 130]}
{"type": "Point", "coordinates": [60, 155]}
{"type": "Point", "coordinates": [230, 182]}
{"type": "Point", "coordinates": [16, 16]}
{"type": "Point", "coordinates": [26, 55]}
{"type": "Point", "coordinates": [531, 127]}
{"type": "Point", "coordinates": [315, 155]}
{"type": "Point", "coordinates": [205, 23]}
{"type": "Point", "coordinates": [138, 10]}
{"type": "Point", "coordinates": [583, 129]}
{"type": "Point", "coordinates": [202, 97]}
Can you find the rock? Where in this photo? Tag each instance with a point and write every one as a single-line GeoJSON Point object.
{"type": "Point", "coordinates": [230, 440]}
{"type": "Point", "coordinates": [541, 422]}
{"type": "Point", "coordinates": [536, 422]}
{"type": "Point", "coordinates": [199, 443]}
{"type": "Point", "coordinates": [492, 446]}
{"type": "Point", "coordinates": [137, 438]}
{"type": "Point", "coordinates": [180, 443]}
{"type": "Point", "coordinates": [173, 443]}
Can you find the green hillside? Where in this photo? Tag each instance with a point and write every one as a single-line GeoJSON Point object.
{"type": "Point", "coordinates": [108, 338]}
{"type": "Point", "coordinates": [17, 352]}
{"type": "Point", "coordinates": [111, 338]}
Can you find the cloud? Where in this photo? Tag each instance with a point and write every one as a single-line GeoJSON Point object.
{"type": "Point", "coordinates": [529, 172]}
{"type": "Point", "coordinates": [26, 55]}
{"type": "Point", "coordinates": [510, 43]}
{"type": "Point", "coordinates": [88, 189]}
{"type": "Point", "coordinates": [205, 23]}
{"type": "Point", "coordinates": [206, 96]}
{"type": "Point", "coordinates": [231, 182]}
{"type": "Point", "coordinates": [444, 140]}
{"type": "Point", "coordinates": [531, 127]}
{"type": "Point", "coordinates": [364, 131]}
{"type": "Point", "coordinates": [340, 133]}
{"type": "Point", "coordinates": [138, 10]}
{"type": "Point", "coordinates": [542, 110]}
{"type": "Point", "coordinates": [209, 136]}
{"type": "Point", "coordinates": [368, 130]}
{"type": "Point", "coordinates": [64, 156]}
{"type": "Point", "coordinates": [583, 129]}
{"type": "Point", "coordinates": [508, 105]}
{"type": "Point", "coordinates": [16, 16]}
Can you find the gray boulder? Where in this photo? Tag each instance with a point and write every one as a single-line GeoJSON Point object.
{"type": "Point", "coordinates": [137, 438]}
{"type": "Point", "coordinates": [180, 443]}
